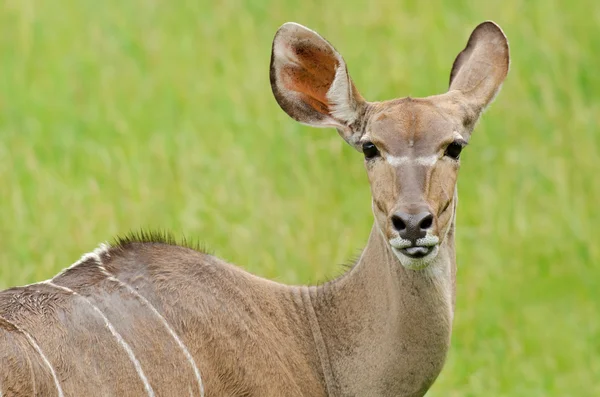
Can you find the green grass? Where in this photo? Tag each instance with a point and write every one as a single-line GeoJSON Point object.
{"type": "Point", "coordinates": [116, 116]}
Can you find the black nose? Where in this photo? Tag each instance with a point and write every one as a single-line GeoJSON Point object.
{"type": "Point", "coordinates": [412, 226]}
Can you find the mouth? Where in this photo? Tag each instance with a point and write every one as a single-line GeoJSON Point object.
{"type": "Point", "coordinates": [416, 251]}
{"type": "Point", "coordinates": [416, 254]}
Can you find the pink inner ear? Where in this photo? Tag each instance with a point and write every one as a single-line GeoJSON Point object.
{"type": "Point", "coordinates": [311, 73]}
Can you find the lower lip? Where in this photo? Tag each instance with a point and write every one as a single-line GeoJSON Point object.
{"type": "Point", "coordinates": [416, 252]}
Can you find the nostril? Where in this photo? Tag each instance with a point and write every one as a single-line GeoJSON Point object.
{"type": "Point", "coordinates": [426, 222]}
{"type": "Point", "coordinates": [398, 223]}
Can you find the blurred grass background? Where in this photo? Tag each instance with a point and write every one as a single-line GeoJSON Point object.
{"type": "Point", "coordinates": [116, 116]}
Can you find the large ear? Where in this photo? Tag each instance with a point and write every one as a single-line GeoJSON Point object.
{"type": "Point", "coordinates": [310, 81]}
{"type": "Point", "coordinates": [480, 69]}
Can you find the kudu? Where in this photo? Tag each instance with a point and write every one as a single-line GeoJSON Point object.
{"type": "Point", "coordinates": [147, 317]}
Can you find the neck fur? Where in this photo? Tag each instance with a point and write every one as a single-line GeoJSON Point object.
{"type": "Point", "coordinates": [386, 329]}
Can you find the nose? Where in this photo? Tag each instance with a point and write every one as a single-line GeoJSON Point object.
{"type": "Point", "coordinates": [412, 226]}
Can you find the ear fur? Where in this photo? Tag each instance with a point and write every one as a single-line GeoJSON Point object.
{"type": "Point", "coordinates": [310, 81]}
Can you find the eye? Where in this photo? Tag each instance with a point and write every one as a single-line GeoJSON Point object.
{"type": "Point", "coordinates": [453, 150]}
{"type": "Point", "coordinates": [370, 150]}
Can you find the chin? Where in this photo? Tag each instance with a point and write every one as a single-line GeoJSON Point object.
{"type": "Point", "coordinates": [416, 262]}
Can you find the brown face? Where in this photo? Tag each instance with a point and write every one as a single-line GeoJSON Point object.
{"type": "Point", "coordinates": [411, 146]}
{"type": "Point", "coordinates": [412, 156]}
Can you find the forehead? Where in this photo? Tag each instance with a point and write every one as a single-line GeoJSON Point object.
{"type": "Point", "coordinates": [405, 126]}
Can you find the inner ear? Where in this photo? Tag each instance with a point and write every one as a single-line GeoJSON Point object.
{"type": "Point", "coordinates": [310, 80]}
{"type": "Point", "coordinates": [310, 72]}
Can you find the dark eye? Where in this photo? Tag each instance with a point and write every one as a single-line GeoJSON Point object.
{"type": "Point", "coordinates": [370, 150]}
{"type": "Point", "coordinates": [453, 150]}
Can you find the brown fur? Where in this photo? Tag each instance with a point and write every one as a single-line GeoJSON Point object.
{"type": "Point", "coordinates": [381, 329]}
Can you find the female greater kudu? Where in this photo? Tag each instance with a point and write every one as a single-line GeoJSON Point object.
{"type": "Point", "coordinates": [148, 317]}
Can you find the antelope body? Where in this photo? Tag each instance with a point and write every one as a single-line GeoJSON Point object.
{"type": "Point", "coordinates": [146, 317]}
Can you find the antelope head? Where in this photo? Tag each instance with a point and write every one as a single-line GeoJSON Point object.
{"type": "Point", "coordinates": [411, 147]}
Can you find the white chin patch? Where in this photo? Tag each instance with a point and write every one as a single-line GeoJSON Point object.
{"type": "Point", "coordinates": [416, 263]}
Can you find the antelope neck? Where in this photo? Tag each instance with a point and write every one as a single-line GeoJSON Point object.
{"type": "Point", "coordinates": [380, 319]}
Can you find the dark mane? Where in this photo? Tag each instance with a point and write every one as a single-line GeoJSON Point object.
{"type": "Point", "coordinates": [156, 237]}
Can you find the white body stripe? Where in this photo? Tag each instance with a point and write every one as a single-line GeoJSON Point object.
{"type": "Point", "coordinates": [423, 160]}
{"type": "Point", "coordinates": [42, 355]}
{"type": "Point", "coordinates": [164, 322]}
{"type": "Point", "coordinates": [94, 255]}
{"type": "Point", "coordinates": [117, 336]}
